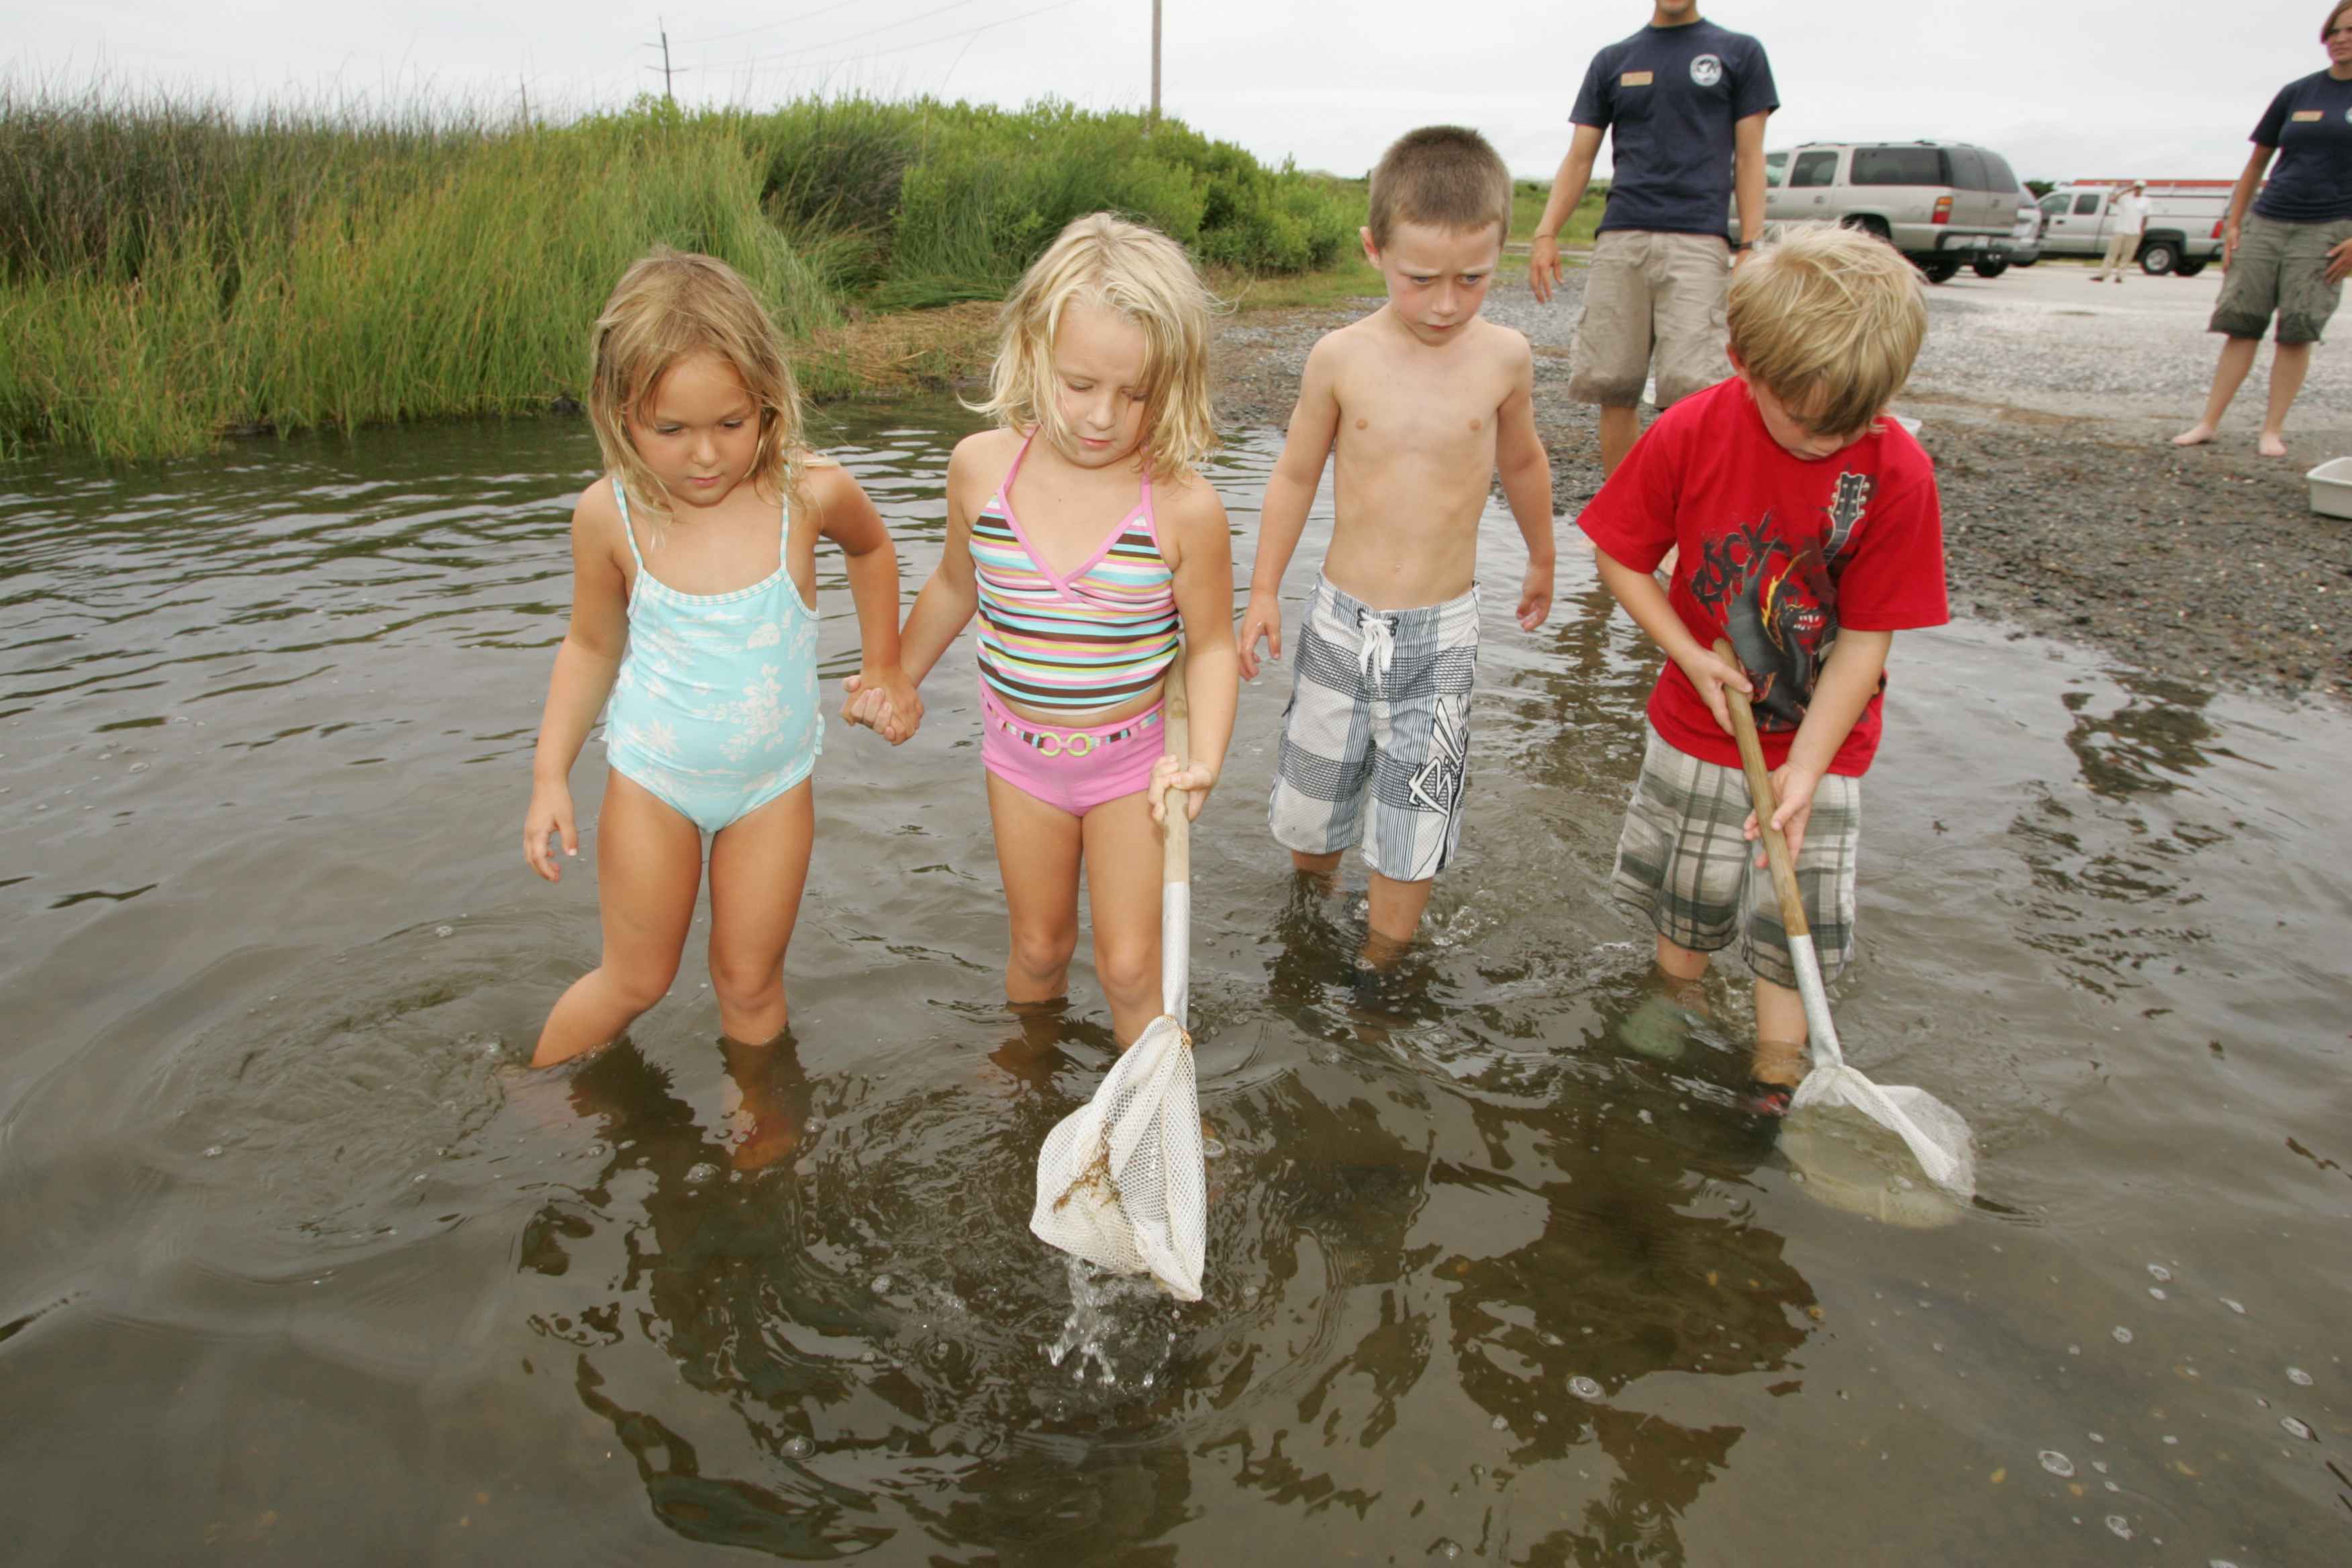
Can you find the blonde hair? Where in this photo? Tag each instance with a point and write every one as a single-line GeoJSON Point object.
{"type": "Point", "coordinates": [671, 305]}
{"type": "Point", "coordinates": [1443, 175]}
{"type": "Point", "coordinates": [1829, 320]}
{"type": "Point", "coordinates": [1147, 279]}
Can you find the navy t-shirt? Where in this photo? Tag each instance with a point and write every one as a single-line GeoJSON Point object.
{"type": "Point", "coordinates": [2310, 123]}
{"type": "Point", "coordinates": [1668, 97]}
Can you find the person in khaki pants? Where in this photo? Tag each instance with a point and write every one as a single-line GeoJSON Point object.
{"type": "Point", "coordinates": [1683, 104]}
{"type": "Point", "coordinates": [2128, 220]}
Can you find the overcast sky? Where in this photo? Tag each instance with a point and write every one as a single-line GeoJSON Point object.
{"type": "Point", "coordinates": [2162, 88]}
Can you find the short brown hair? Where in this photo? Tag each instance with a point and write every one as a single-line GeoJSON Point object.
{"type": "Point", "coordinates": [1444, 175]}
{"type": "Point", "coordinates": [1829, 320]}
{"type": "Point", "coordinates": [2328, 25]}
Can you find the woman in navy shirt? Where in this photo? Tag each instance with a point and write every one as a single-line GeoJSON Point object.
{"type": "Point", "coordinates": [2288, 257]}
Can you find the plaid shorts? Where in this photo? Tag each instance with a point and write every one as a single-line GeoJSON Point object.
{"type": "Point", "coordinates": [1682, 862]}
{"type": "Point", "coordinates": [1376, 741]}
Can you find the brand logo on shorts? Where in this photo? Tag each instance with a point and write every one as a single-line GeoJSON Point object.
{"type": "Point", "coordinates": [1707, 70]}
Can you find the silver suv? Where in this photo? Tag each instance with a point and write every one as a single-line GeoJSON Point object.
{"type": "Point", "coordinates": [1942, 203]}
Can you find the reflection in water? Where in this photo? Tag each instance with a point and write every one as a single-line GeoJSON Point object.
{"type": "Point", "coordinates": [1494, 1269]}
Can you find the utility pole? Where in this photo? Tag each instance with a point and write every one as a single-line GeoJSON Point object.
{"type": "Point", "coordinates": [666, 94]}
{"type": "Point", "coordinates": [1155, 62]}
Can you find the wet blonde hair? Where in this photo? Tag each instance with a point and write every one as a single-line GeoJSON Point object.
{"type": "Point", "coordinates": [1829, 320]}
{"type": "Point", "coordinates": [1145, 276]}
{"type": "Point", "coordinates": [1442, 176]}
{"type": "Point", "coordinates": [667, 307]}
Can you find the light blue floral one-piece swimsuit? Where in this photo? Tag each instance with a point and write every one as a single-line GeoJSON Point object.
{"type": "Point", "coordinates": [714, 708]}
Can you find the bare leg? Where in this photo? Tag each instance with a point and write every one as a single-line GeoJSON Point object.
{"type": "Point", "coordinates": [1038, 849]}
{"type": "Point", "coordinates": [2237, 359]}
{"type": "Point", "coordinates": [1394, 914]}
{"type": "Point", "coordinates": [758, 865]}
{"type": "Point", "coordinates": [1779, 1035]}
{"type": "Point", "coordinates": [1123, 884]}
{"type": "Point", "coordinates": [772, 1100]}
{"type": "Point", "coordinates": [1679, 961]}
{"type": "Point", "coordinates": [648, 865]}
{"type": "Point", "coordinates": [2289, 363]}
{"type": "Point", "coordinates": [1324, 869]}
{"type": "Point", "coordinates": [1619, 427]}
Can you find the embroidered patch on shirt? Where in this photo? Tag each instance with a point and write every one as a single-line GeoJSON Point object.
{"type": "Point", "coordinates": [1642, 78]}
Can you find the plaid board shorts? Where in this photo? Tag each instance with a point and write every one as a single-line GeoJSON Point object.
{"type": "Point", "coordinates": [1682, 862]}
{"type": "Point", "coordinates": [1376, 740]}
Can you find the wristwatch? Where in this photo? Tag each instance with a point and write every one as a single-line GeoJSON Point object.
{"type": "Point", "coordinates": [1739, 244]}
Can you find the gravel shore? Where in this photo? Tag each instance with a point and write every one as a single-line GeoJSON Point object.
{"type": "Point", "coordinates": [2048, 403]}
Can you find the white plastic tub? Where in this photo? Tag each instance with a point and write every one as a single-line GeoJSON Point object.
{"type": "Point", "coordinates": [2331, 487]}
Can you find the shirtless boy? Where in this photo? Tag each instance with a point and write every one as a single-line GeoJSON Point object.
{"type": "Point", "coordinates": [1424, 401]}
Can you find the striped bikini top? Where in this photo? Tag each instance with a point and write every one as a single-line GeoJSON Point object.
{"type": "Point", "coordinates": [1092, 640]}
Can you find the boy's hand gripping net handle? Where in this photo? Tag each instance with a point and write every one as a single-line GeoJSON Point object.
{"type": "Point", "coordinates": [1760, 795]}
{"type": "Point", "coordinates": [1176, 850]}
{"type": "Point", "coordinates": [1815, 996]}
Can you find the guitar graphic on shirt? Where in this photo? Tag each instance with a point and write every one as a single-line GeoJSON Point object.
{"type": "Point", "coordinates": [1778, 600]}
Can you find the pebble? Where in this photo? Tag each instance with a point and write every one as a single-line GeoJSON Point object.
{"type": "Point", "coordinates": [2057, 1463]}
{"type": "Point", "coordinates": [798, 1448]}
{"type": "Point", "coordinates": [2299, 1377]}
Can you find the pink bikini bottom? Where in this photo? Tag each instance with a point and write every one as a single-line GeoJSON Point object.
{"type": "Point", "coordinates": [1071, 770]}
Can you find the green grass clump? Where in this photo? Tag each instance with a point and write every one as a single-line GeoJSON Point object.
{"type": "Point", "coordinates": [171, 272]}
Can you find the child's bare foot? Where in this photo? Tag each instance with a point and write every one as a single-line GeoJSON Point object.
{"type": "Point", "coordinates": [2196, 435]}
{"type": "Point", "coordinates": [2270, 444]}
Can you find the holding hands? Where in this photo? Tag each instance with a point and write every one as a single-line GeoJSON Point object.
{"type": "Point", "coordinates": [884, 700]}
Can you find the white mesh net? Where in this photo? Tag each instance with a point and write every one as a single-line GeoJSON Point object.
{"type": "Point", "coordinates": [1120, 1181]}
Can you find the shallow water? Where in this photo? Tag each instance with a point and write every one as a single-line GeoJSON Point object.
{"type": "Point", "coordinates": [301, 1267]}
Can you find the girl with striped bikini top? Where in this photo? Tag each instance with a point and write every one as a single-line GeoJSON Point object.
{"type": "Point", "coordinates": [1080, 534]}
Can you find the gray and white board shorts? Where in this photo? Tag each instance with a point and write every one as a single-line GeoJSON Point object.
{"type": "Point", "coordinates": [1376, 741]}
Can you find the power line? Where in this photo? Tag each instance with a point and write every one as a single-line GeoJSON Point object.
{"type": "Point", "coordinates": [771, 27]}
{"type": "Point", "coordinates": [853, 37]}
{"type": "Point", "coordinates": [900, 48]}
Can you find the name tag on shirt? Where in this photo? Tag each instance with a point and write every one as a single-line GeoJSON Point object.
{"type": "Point", "coordinates": [2308, 114]}
{"type": "Point", "coordinates": [1642, 78]}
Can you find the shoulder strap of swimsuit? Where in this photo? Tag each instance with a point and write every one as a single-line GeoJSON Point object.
{"type": "Point", "coordinates": [628, 529]}
{"type": "Point", "coordinates": [1005, 486]}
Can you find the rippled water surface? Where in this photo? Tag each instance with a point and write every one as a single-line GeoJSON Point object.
{"type": "Point", "coordinates": [298, 1265]}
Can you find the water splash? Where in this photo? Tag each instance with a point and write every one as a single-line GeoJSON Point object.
{"type": "Point", "coordinates": [1119, 1324]}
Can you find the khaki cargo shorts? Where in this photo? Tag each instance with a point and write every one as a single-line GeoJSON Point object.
{"type": "Point", "coordinates": [1681, 864]}
{"type": "Point", "coordinates": [2282, 267]}
{"type": "Point", "coordinates": [1646, 290]}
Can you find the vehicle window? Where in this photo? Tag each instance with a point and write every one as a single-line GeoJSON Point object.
{"type": "Point", "coordinates": [1899, 166]}
{"type": "Point", "coordinates": [2054, 203]}
{"type": "Point", "coordinates": [2086, 204]}
{"type": "Point", "coordinates": [1814, 169]}
{"type": "Point", "coordinates": [1997, 174]}
{"type": "Point", "coordinates": [1967, 169]}
{"type": "Point", "coordinates": [1776, 170]}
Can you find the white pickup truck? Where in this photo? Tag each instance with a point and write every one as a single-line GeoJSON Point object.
{"type": "Point", "coordinates": [2184, 222]}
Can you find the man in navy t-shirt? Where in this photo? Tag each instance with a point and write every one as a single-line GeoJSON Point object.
{"type": "Point", "coordinates": [1683, 102]}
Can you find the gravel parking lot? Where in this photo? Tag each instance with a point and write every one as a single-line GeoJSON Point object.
{"type": "Point", "coordinates": [2048, 401]}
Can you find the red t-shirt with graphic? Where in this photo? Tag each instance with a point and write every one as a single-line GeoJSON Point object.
{"type": "Point", "coordinates": [1776, 552]}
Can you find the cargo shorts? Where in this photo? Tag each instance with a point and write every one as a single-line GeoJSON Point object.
{"type": "Point", "coordinates": [1648, 291]}
{"type": "Point", "coordinates": [2280, 267]}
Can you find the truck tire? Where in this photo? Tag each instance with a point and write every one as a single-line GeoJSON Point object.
{"type": "Point", "coordinates": [2024, 260]}
{"type": "Point", "coordinates": [1937, 269]}
{"type": "Point", "coordinates": [1991, 266]}
{"type": "Point", "coordinates": [2187, 268]}
{"type": "Point", "coordinates": [2159, 256]}
{"type": "Point", "coordinates": [1873, 226]}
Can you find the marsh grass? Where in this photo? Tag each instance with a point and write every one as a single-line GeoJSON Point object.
{"type": "Point", "coordinates": [171, 272]}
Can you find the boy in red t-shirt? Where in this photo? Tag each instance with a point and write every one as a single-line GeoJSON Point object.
{"type": "Point", "coordinates": [1806, 530]}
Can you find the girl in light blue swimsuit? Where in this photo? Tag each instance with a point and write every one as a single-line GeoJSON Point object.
{"type": "Point", "coordinates": [693, 577]}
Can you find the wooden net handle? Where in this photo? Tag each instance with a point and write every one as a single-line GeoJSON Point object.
{"type": "Point", "coordinates": [1760, 795]}
{"type": "Point", "coordinates": [1176, 723]}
